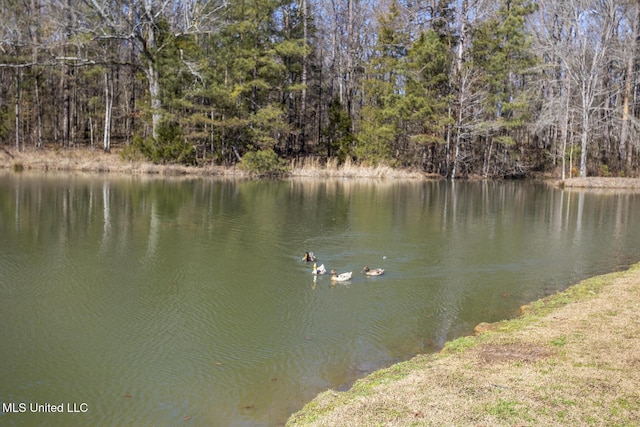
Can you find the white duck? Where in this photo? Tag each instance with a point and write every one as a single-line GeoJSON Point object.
{"type": "Point", "coordinates": [342, 277]}
{"type": "Point", "coordinates": [319, 270]}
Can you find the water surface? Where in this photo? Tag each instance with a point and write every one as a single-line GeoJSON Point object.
{"type": "Point", "coordinates": [162, 302]}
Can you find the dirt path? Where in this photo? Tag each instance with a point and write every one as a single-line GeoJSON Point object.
{"type": "Point", "coordinates": [572, 359]}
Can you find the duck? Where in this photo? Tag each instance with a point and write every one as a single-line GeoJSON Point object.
{"type": "Point", "coordinates": [309, 257]}
{"type": "Point", "coordinates": [373, 272]}
{"type": "Point", "coordinates": [342, 277]}
{"type": "Point", "coordinates": [318, 270]}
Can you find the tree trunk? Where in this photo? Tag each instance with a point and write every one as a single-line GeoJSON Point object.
{"type": "Point", "coordinates": [625, 148]}
{"type": "Point", "coordinates": [38, 112]}
{"type": "Point", "coordinates": [489, 153]}
{"type": "Point", "coordinates": [564, 126]}
{"type": "Point", "coordinates": [303, 96]}
{"type": "Point", "coordinates": [64, 76]}
{"type": "Point", "coordinates": [462, 27]}
{"type": "Point", "coordinates": [350, 71]}
{"type": "Point", "coordinates": [108, 96]}
{"type": "Point", "coordinates": [153, 76]}
{"type": "Point", "coordinates": [35, 9]}
{"type": "Point", "coordinates": [461, 80]}
{"type": "Point", "coordinates": [66, 119]}
{"type": "Point", "coordinates": [132, 82]}
{"type": "Point", "coordinates": [584, 138]}
{"type": "Point", "coordinates": [17, 109]}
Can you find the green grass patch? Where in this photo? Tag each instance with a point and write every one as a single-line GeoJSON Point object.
{"type": "Point", "coordinates": [586, 289]}
{"type": "Point", "coordinates": [504, 409]}
{"type": "Point", "coordinates": [460, 345]}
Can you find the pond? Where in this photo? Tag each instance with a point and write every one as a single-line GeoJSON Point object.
{"type": "Point", "coordinates": [136, 301]}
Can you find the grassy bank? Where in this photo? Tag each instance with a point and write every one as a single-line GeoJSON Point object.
{"type": "Point", "coordinates": [97, 161]}
{"type": "Point", "coordinates": [601, 183]}
{"type": "Point", "coordinates": [570, 359]}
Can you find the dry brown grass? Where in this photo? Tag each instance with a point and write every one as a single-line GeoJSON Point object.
{"type": "Point", "coordinates": [96, 160]}
{"type": "Point", "coordinates": [572, 359]}
{"type": "Point", "coordinates": [314, 167]}
{"type": "Point", "coordinates": [596, 182]}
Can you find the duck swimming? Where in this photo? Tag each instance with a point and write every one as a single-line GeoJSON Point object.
{"type": "Point", "coordinates": [318, 270]}
{"type": "Point", "coordinates": [373, 272]}
{"type": "Point", "coordinates": [309, 257]}
{"type": "Point", "coordinates": [342, 277]}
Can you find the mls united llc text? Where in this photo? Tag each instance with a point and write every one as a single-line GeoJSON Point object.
{"type": "Point", "coordinates": [41, 408]}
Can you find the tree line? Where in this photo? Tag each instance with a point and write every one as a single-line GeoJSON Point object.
{"type": "Point", "coordinates": [501, 88]}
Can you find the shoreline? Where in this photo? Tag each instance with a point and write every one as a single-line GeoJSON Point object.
{"type": "Point", "coordinates": [568, 359]}
{"type": "Point", "coordinates": [600, 183]}
{"type": "Point", "coordinates": [97, 161]}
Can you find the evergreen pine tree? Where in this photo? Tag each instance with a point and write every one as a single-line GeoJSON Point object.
{"type": "Point", "coordinates": [501, 52]}
{"type": "Point", "coordinates": [383, 88]}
